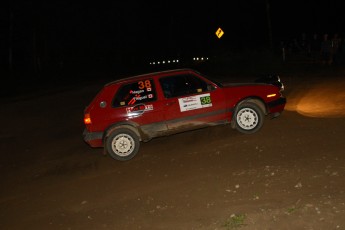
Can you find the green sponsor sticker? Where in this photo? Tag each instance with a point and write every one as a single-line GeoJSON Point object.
{"type": "Point", "coordinates": [205, 100]}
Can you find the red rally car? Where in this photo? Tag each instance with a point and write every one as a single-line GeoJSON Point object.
{"type": "Point", "coordinates": [139, 108]}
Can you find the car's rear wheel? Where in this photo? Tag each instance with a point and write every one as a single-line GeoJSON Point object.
{"type": "Point", "coordinates": [249, 118]}
{"type": "Point", "coordinates": [122, 144]}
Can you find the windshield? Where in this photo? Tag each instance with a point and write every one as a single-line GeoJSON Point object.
{"type": "Point", "coordinates": [217, 82]}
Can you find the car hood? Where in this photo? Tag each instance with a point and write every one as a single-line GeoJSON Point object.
{"type": "Point", "coordinates": [264, 80]}
{"type": "Point", "coordinates": [231, 84]}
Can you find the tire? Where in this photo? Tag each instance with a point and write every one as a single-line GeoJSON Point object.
{"type": "Point", "coordinates": [248, 118]}
{"type": "Point", "coordinates": [122, 144]}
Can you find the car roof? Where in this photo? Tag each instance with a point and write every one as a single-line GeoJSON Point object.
{"type": "Point", "coordinates": [151, 74]}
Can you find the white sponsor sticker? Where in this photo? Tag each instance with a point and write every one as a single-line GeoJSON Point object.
{"type": "Point", "coordinates": [195, 102]}
{"type": "Point", "coordinates": [140, 107]}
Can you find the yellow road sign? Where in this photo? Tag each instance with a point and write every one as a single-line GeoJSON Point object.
{"type": "Point", "coordinates": [219, 32]}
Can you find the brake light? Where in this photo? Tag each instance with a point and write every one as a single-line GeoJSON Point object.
{"type": "Point", "coordinates": [87, 119]}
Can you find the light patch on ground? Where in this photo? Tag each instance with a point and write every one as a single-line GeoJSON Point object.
{"type": "Point", "coordinates": [321, 100]}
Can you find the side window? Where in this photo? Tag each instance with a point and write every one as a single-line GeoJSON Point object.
{"type": "Point", "coordinates": [135, 93]}
{"type": "Point", "coordinates": [196, 84]}
{"type": "Point", "coordinates": [182, 85]}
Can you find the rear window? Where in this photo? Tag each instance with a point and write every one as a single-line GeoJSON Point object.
{"type": "Point", "coordinates": [135, 93]}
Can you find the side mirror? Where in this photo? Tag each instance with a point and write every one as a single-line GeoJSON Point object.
{"type": "Point", "coordinates": [210, 87]}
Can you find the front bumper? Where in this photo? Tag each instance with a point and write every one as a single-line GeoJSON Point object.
{"type": "Point", "coordinates": [94, 139]}
{"type": "Point", "coordinates": [276, 107]}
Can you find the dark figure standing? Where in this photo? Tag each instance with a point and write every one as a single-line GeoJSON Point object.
{"type": "Point", "coordinates": [314, 47]}
{"type": "Point", "coordinates": [336, 44]}
{"type": "Point", "coordinates": [326, 50]}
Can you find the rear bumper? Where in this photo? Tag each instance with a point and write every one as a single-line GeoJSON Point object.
{"type": "Point", "coordinates": [94, 139]}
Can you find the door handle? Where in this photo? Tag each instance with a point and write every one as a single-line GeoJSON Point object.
{"type": "Point", "coordinates": [170, 102]}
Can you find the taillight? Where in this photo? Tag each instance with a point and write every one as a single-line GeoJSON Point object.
{"type": "Point", "coordinates": [87, 119]}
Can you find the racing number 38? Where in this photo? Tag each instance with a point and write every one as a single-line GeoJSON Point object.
{"type": "Point", "coordinates": [205, 100]}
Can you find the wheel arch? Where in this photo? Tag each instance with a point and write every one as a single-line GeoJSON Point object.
{"type": "Point", "coordinates": [127, 125]}
{"type": "Point", "coordinates": [256, 100]}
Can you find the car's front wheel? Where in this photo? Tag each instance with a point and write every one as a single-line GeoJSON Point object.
{"type": "Point", "coordinates": [249, 118]}
{"type": "Point", "coordinates": [122, 144]}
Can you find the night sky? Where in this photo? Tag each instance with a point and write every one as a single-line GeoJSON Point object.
{"type": "Point", "coordinates": [49, 35]}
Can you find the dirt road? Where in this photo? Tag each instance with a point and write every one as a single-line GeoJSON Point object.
{"type": "Point", "coordinates": [290, 175]}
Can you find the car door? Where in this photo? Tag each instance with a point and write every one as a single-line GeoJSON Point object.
{"type": "Point", "coordinates": [140, 106]}
{"type": "Point", "coordinates": [191, 102]}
